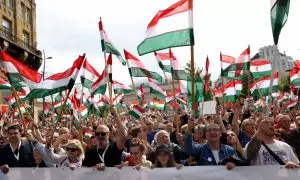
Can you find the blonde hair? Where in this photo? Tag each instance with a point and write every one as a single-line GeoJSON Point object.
{"type": "Point", "coordinates": [238, 146]}
{"type": "Point", "coordinates": [78, 144]}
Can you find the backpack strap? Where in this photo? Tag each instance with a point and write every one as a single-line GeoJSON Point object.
{"type": "Point", "coordinates": [273, 154]}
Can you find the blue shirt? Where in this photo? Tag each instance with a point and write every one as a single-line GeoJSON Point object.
{"type": "Point", "coordinates": [244, 139]}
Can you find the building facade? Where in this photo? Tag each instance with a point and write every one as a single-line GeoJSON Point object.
{"type": "Point", "coordinates": [280, 62]}
{"type": "Point", "coordinates": [18, 32]}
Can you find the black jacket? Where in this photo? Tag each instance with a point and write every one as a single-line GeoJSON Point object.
{"type": "Point", "coordinates": [26, 158]}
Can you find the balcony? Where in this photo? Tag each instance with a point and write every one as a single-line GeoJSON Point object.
{"type": "Point", "coordinates": [7, 35]}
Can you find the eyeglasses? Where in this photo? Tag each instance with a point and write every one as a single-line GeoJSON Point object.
{"type": "Point", "coordinates": [72, 149]}
{"type": "Point", "coordinates": [101, 134]}
{"type": "Point", "coordinates": [148, 124]}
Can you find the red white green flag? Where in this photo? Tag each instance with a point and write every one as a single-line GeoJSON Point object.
{"type": "Point", "coordinates": [295, 74]}
{"type": "Point", "coordinates": [4, 84]}
{"type": "Point", "coordinates": [138, 69]}
{"type": "Point", "coordinates": [163, 60]}
{"type": "Point", "coordinates": [58, 82]}
{"type": "Point", "coordinates": [137, 111]}
{"type": "Point", "coordinates": [18, 74]}
{"type": "Point", "coordinates": [120, 88]}
{"type": "Point", "coordinates": [171, 27]}
{"type": "Point", "coordinates": [157, 91]}
{"type": "Point", "coordinates": [260, 68]}
{"type": "Point", "coordinates": [89, 75]}
{"type": "Point", "coordinates": [108, 46]}
{"type": "Point", "coordinates": [261, 86]}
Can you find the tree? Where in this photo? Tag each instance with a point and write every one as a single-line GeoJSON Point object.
{"type": "Point", "coordinates": [284, 83]}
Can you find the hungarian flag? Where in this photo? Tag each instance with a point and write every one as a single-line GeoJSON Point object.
{"type": "Point", "coordinates": [141, 95]}
{"type": "Point", "coordinates": [157, 91]}
{"type": "Point", "coordinates": [260, 68]}
{"type": "Point", "coordinates": [261, 86]}
{"type": "Point", "coordinates": [89, 75]}
{"type": "Point", "coordinates": [164, 61]}
{"type": "Point", "coordinates": [171, 27]}
{"type": "Point", "coordinates": [108, 46]}
{"type": "Point", "coordinates": [178, 72]}
{"type": "Point", "coordinates": [99, 87]}
{"type": "Point", "coordinates": [137, 111]}
{"type": "Point", "coordinates": [295, 74]}
{"type": "Point", "coordinates": [170, 96]}
{"type": "Point", "coordinates": [236, 66]}
{"type": "Point", "coordinates": [18, 74]}
{"type": "Point", "coordinates": [279, 16]}
{"type": "Point", "coordinates": [4, 84]}
{"type": "Point", "coordinates": [159, 105]}
{"type": "Point", "coordinates": [83, 111]}
{"type": "Point", "coordinates": [138, 69]}
{"type": "Point", "coordinates": [58, 82]}
{"type": "Point", "coordinates": [88, 134]}
{"type": "Point", "coordinates": [231, 90]}
{"type": "Point", "coordinates": [120, 88]}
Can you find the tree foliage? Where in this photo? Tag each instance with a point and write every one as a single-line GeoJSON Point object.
{"type": "Point", "coordinates": [284, 83]}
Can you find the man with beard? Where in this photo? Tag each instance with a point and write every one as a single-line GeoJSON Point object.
{"type": "Point", "coordinates": [104, 154]}
{"type": "Point", "coordinates": [263, 145]}
{"type": "Point", "coordinates": [17, 153]}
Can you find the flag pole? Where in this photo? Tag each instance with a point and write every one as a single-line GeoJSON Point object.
{"type": "Point", "coordinates": [190, 4]}
{"type": "Point", "coordinates": [222, 80]}
{"type": "Point", "coordinates": [274, 58]}
{"type": "Point", "coordinates": [18, 106]}
{"type": "Point", "coordinates": [105, 61]}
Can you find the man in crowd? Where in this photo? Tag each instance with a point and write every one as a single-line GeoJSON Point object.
{"type": "Point", "coordinates": [264, 149]}
{"type": "Point", "coordinates": [105, 154]}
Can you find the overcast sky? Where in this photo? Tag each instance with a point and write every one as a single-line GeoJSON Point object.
{"type": "Point", "coordinates": [68, 28]}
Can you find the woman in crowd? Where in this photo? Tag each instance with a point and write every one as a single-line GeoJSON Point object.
{"type": "Point", "coordinates": [233, 141]}
{"type": "Point", "coordinates": [164, 158]}
{"type": "Point", "coordinates": [73, 158]}
{"type": "Point", "coordinates": [199, 135]}
{"type": "Point", "coordinates": [137, 156]}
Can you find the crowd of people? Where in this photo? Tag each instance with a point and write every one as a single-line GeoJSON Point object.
{"type": "Point", "coordinates": [232, 137]}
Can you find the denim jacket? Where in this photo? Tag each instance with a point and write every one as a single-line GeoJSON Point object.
{"type": "Point", "coordinates": [204, 154]}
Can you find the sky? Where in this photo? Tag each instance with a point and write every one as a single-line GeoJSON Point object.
{"type": "Point", "coordinates": [68, 28]}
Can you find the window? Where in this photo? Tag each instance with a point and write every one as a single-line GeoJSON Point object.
{"type": "Point", "coordinates": [28, 15]}
{"type": "Point", "coordinates": [6, 25]}
{"type": "Point", "coordinates": [10, 3]}
{"type": "Point", "coordinates": [23, 11]}
{"type": "Point", "coordinates": [25, 39]}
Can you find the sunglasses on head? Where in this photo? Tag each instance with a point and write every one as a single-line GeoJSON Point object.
{"type": "Point", "coordinates": [101, 134]}
{"type": "Point", "coordinates": [72, 149]}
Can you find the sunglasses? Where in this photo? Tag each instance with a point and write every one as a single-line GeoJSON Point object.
{"type": "Point", "coordinates": [72, 149]}
{"type": "Point", "coordinates": [101, 134]}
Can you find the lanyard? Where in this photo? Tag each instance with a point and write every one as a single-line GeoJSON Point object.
{"type": "Point", "coordinates": [13, 151]}
{"type": "Point", "coordinates": [102, 157]}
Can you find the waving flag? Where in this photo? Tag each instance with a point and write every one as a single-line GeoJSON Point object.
{"type": "Point", "coordinates": [4, 84]}
{"type": "Point", "coordinates": [138, 69]}
{"type": "Point", "coordinates": [164, 61]}
{"type": "Point", "coordinates": [18, 74]}
{"type": "Point", "coordinates": [171, 27]}
{"type": "Point", "coordinates": [137, 111]}
{"type": "Point", "coordinates": [58, 82]}
{"type": "Point", "coordinates": [89, 75]}
{"type": "Point", "coordinates": [156, 90]}
{"type": "Point", "coordinates": [260, 68]}
{"type": "Point", "coordinates": [263, 85]}
{"type": "Point", "coordinates": [108, 46]}
{"type": "Point", "coordinates": [279, 16]}
{"type": "Point", "coordinates": [120, 88]}
{"type": "Point", "coordinates": [141, 95]}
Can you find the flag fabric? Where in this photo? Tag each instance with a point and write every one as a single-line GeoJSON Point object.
{"type": "Point", "coordinates": [99, 87]}
{"type": "Point", "coordinates": [88, 134]}
{"type": "Point", "coordinates": [83, 111]}
{"type": "Point", "coordinates": [164, 61]}
{"type": "Point", "coordinates": [260, 68]}
{"type": "Point", "coordinates": [295, 74]}
{"type": "Point", "coordinates": [137, 111]}
{"type": "Point", "coordinates": [58, 82]}
{"type": "Point", "coordinates": [120, 88]}
{"type": "Point", "coordinates": [108, 46]}
{"type": "Point", "coordinates": [206, 75]}
{"type": "Point", "coordinates": [4, 84]}
{"type": "Point", "coordinates": [279, 16]}
{"type": "Point", "coordinates": [89, 75]}
{"type": "Point", "coordinates": [171, 27]}
{"type": "Point", "coordinates": [170, 96]}
{"type": "Point", "coordinates": [157, 91]}
{"type": "Point", "coordinates": [261, 86]}
{"type": "Point", "coordinates": [138, 69]}
{"type": "Point", "coordinates": [141, 95]}
{"type": "Point", "coordinates": [18, 74]}
{"type": "Point", "coordinates": [178, 72]}
{"type": "Point", "coordinates": [235, 68]}
{"type": "Point", "coordinates": [231, 90]}
{"type": "Point", "coordinates": [156, 104]}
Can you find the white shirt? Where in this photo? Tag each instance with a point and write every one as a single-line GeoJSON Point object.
{"type": "Point", "coordinates": [216, 155]}
{"type": "Point", "coordinates": [281, 149]}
